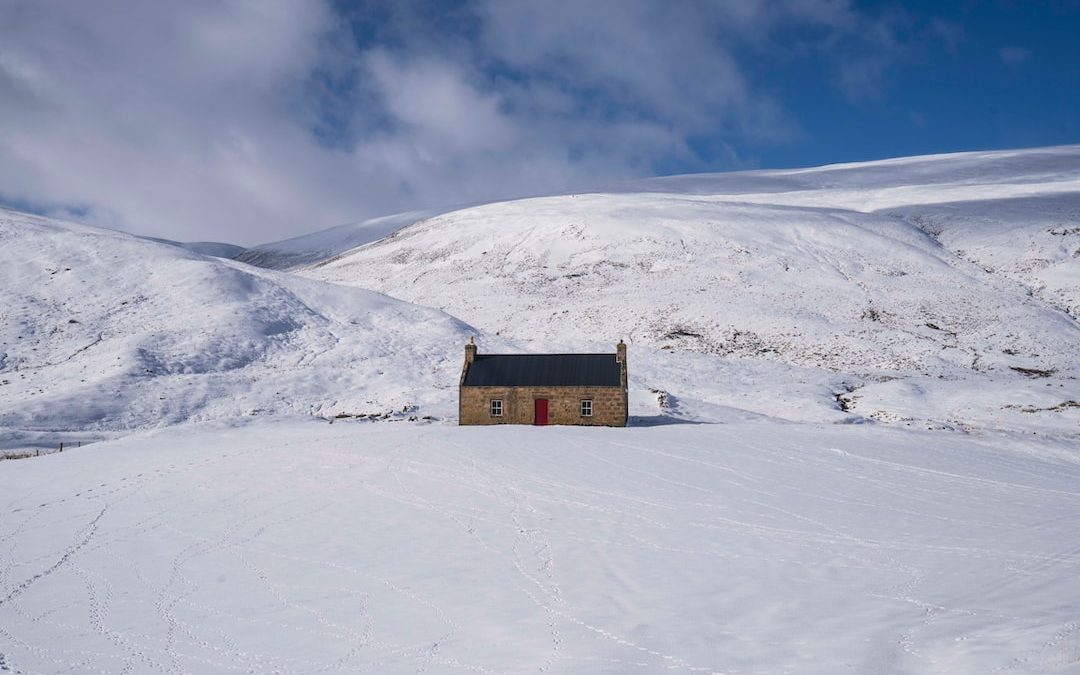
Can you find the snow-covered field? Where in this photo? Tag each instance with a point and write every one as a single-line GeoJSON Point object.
{"type": "Point", "coordinates": [855, 440]}
{"type": "Point", "coordinates": [304, 547]}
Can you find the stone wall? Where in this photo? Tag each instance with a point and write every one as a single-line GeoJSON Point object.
{"type": "Point", "coordinates": [564, 405]}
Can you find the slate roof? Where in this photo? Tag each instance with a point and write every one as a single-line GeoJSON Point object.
{"type": "Point", "coordinates": [543, 370]}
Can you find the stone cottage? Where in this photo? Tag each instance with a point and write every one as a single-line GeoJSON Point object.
{"type": "Point", "coordinates": [584, 389]}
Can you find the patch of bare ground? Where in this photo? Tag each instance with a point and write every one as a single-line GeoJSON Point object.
{"type": "Point", "coordinates": [1033, 372]}
{"type": "Point", "coordinates": [1064, 405]}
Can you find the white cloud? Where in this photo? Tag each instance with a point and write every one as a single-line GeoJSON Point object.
{"type": "Point", "coordinates": [658, 61]}
{"type": "Point", "coordinates": [166, 119]}
{"type": "Point", "coordinates": [1013, 56]}
{"type": "Point", "coordinates": [437, 105]}
{"type": "Point", "coordinates": [250, 121]}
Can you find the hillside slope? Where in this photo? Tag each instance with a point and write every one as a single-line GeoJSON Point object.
{"type": "Point", "coordinates": [932, 270]}
{"type": "Point", "coordinates": [102, 331]}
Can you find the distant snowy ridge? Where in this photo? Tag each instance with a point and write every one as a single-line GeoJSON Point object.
{"type": "Point", "coordinates": [106, 331]}
{"type": "Point", "coordinates": [214, 249]}
{"type": "Point", "coordinates": [860, 186]}
{"type": "Point", "coordinates": [1007, 169]}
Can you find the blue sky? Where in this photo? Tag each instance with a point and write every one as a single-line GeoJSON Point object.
{"type": "Point", "coordinates": [247, 122]}
{"type": "Point", "coordinates": [1008, 77]}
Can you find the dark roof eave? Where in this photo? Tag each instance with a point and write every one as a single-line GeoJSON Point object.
{"type": "Point", "coordinates": [539, 386]}
{"type": "Point", "coordinates": [544, 370]}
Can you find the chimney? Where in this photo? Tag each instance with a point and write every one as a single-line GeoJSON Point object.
{"type": "Point", "coordinates": [620, 358]}
{"type": "Point", "coordinates": [470, 351]}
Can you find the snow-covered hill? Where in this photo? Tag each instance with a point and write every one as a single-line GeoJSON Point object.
{"type": "Point", "coordinates": [105, 332]}
{"type": "Point", "coordinates": [935, 291]}
{"type": "Point", "coordinates": [936, 269]}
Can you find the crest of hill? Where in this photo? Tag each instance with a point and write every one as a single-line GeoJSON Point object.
{"type": "Point", "coordinates": [1042, 168]}
{"type": "Point", "coordinates": [860, 186]}
{"type": "Point", "coordinates": [106, 331]}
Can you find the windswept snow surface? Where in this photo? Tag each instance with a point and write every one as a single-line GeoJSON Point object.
{"type": "Point", "coordinates": [325, 244]}
{"type": "Point", "coordinates": [957, 274]}
{"type": "Point", "coordinates": [303, 547]}
{"type": "Point", "coordinates": [105, 332]}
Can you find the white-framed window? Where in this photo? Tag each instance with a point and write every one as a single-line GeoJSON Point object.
{"type": "Point", "coordinates": [496, 407]}
{"type": "Point", "coordinates": [586, 407]}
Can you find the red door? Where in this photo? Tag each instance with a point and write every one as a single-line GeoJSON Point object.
{"type": "Point", "coordinates": [541, 412]}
